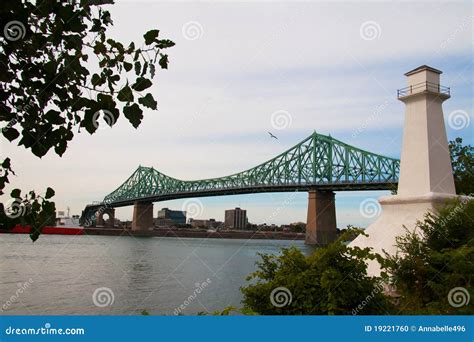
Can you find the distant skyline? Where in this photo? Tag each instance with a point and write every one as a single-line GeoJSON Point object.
{"type": "Point", "coordinates": [329, 67]}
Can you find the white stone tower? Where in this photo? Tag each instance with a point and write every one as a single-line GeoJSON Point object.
{"type": "Point", "coordinates": [426, 178]}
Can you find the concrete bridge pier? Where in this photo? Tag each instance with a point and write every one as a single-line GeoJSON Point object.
{"type": "Point", "coordinates": [109, 223]}
{"type": "Point", "coordinates": [321, 220]}
{"type": "Point", "coordinates": [142, 216]}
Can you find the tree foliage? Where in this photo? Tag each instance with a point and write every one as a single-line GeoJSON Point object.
{"type": "Point", "coordinates": [434, 260]}
{"type": "Point", "coordinates": [333, 280]}
{"type": "Point", "coordinates": [462, 161]}
{"type": "Point", "coordinates": [48, 52]}
{"type": "Point", "coordinates": [62, 71]}
{"type": "Point", "coordinates": [432, 273]}
{"type": "Point", "coordinates": [33, 210]}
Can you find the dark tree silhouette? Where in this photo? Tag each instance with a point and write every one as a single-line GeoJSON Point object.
{"type": "Point", "coordinates": [48, 90]}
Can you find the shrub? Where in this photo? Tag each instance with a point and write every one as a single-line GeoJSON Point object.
{"type": "Point", "coordinates": [333, 280]}
{"type": "Point", "coordinates": [435, 260]}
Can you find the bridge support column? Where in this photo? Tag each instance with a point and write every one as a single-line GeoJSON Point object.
{"type": "Point", "coordinates": [321, 219]}
{"type": "Point", "coordinates": [110, 222]}
{"type": "Point", "coordinates": [142, 216]}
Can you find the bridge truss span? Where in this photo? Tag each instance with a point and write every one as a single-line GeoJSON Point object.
{"type": "Point", "coordinates": [318, 162]}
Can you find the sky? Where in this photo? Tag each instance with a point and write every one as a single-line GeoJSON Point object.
{"type": "Point", "coordinates": [333, 67]}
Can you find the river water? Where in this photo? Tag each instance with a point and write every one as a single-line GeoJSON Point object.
{"type": "Point", "coordinates": [115, 275]}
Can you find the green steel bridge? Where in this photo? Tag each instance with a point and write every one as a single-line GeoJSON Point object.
{"type": "Point", "coordinates": [319, 162]}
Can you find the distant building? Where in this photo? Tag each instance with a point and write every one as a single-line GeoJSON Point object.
{"type": "Point", "coordinates": [176, 216]}
{"type": "Point", "coordinates": [211, 223]}
{"type": "Point", "coordinates": [235, 219]}
{"type": "Point", "coordinates": [161, 222]}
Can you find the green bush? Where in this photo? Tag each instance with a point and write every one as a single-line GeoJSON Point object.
{"type": "Point", "coordinates": [332, 281]}
{"type": "Point", "coordinates": [432, 273]}
{"type": "Point", "coordinates": [434, 260]}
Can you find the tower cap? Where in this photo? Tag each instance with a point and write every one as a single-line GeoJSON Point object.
{"type": "Point", "coordinates": [422, 68]}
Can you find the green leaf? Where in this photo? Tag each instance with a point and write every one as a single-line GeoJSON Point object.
{"type": "Point", "coordinates": [164, 44]}
{"type": "Point", "coordinates": [6, 164]}
{"type": "Point", "coordinates": [142, 83]}
{"type": "Point", "coordinates": [134, 114]}
{"type": "Point", "coordinates": [10, 133]}
{"type": "Point", "coordinates": [127, 66]}
{"type": "Point", "coordinates": [16, 193]}
{"type": "Point", "coordinates": [88, 122]}
{"type": "Point", "coordinates": [137, 54]}
{"type": "Point", "coordinates": [100, 48]}
{"type": "Point", "coordinates": [148, 101]}
{"type": "Point", "coordinates": [35, 233]}
{"type": "Point", "coordinates": [145, 68]}
{"type": "Point", "coordinates": [50, 67]}
{"type": "Point", "coordinates": [40, 149]}
{"type": "Point", "coordinates": [150, 36]}
{"type": "Point", "coordinates": [125, 94]}
{"type": "Point", "coordinates": [163, 62]}
{"type": "Point", "coordinates": [60, 148]}
{"type": "Point", "coordinates": [138, 67]}
{"type": "Point", "coordinates": [96, 80]}
{"type": "Point", "coordinates": [49, 193]}
{"type": "Point", "coordinates": [130, 48]}
{"type": "Point", "coordinates": [54, 117]}
{"type": "Point", "coordinates": [152, 70]}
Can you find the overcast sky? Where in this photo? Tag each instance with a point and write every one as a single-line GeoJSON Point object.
{"type": "Point", "coordinates": [329, 67]}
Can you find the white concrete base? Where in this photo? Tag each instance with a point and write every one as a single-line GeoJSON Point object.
{"type": "Point", "coordinates": [399, 214]}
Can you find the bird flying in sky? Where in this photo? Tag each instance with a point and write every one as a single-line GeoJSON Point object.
{"type": "Point", "coordinates": [272, 136]}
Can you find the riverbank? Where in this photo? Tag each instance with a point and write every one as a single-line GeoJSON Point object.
{"type": "Point", "coordinates": [193, 233]}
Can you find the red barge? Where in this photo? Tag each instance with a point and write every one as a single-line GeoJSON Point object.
{"type": "Point", "coordinates": [48, 230]}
